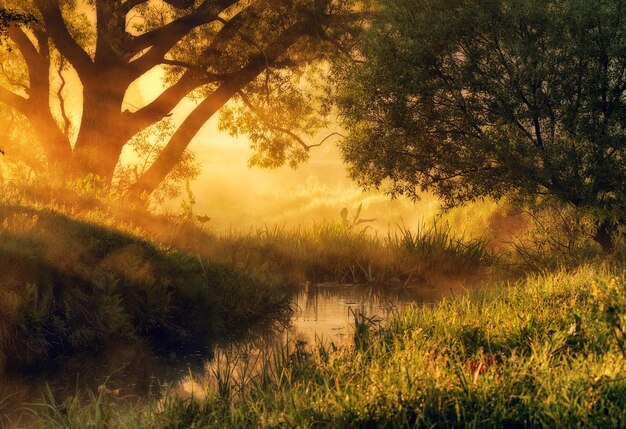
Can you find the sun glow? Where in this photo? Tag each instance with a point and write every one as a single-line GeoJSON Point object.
{"type": "Point", "coordinates": [236, 196]}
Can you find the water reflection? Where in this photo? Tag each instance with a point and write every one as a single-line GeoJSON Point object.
{"type": "Point", "coordinates": [323, 312]}
{"type": "Point", "coordinates": [130, 372]}
{"type": "Point", "coordinates": [324, 315]}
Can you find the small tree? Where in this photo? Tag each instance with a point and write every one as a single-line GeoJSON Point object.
{"type": "Point", "coordinates": [500, 98]}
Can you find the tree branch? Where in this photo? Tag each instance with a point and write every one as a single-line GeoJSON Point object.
{"type": "Point", "coordinates": [129, 5]}
{"type": "Point", "coordinates": [25, 46]}
{"type": "Point", "coordinates": [13, 100]}
{"type": "Point", "coordinates": [179, 141]}
{"type": "Point", "coordinates": [163, 104]}
{"type": "Point", "coordinates": [162, 43]}
{"type": "Point", "coordinates": [268, 122]}
{"type": "Point", "coordinates": [331, 135]}
{"type": "Point", "coordinates": [111, 35]}
{"type": "Point", "coordinates": [161, 40]}
{"type": "Point", "coordinates": [192, 79]}
{"type": "Point", "coordinates": [208, 76]}
{"type": "Point", "coordinates": [37, 62]}
{"type": "Point", "coordinates": [65, 43]}
{"type": "Point", "coordinates": [66, 120]}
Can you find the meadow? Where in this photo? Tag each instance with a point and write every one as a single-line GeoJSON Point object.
{"type": "Point", "coordinates": [80, 274]}
{"type": "Point", "coordinates": [545, 348]}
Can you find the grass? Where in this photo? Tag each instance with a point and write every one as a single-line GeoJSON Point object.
{"type": "Point", "coordinates": [71, 286]}
{"type": "Point", "coordinates": [329, 252]}
{"type": "Point", "coordinates": [332, 251]}
{"type": "Point", "coordinates": [548, 351]}
{"type": "Point", "coordinates": [80, 271]}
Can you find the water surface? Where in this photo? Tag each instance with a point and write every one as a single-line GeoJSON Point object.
{"type": "Point", "coordinates": [326, 311]}
{"type": "Point", "coordinates": [322, 312]}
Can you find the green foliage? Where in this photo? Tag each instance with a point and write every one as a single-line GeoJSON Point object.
{"type": "Point", "coordinates": [515, 98]}
{"type": "Point", "coordinates": [610, 298]}
{"type": "Point", "coordinates": [277, 114]}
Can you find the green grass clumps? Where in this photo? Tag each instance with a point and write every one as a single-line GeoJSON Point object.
{"type": "Point", "coordinates": [332, 252]}
{"type": "Point", "coordinates": [548, 351]}
{"type": "Point", "coordinates": [70, 286]}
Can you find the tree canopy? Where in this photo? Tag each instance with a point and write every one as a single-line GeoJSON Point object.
{"type": "Point", "coordinates": [250, 52]}
{"type": "Point", "coordinates": [8, 17]}
{"type": "Point", "coordinates": [493, 98]}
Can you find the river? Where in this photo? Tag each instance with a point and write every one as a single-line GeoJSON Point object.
{"type": "Point", "coordinates": [323, 312]}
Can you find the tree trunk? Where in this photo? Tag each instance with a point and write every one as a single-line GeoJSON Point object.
{"type": "Point", "coordinates": [102, 133]}
{"type": "Point", "coordinates": [55, 144]}
{"type": "Point", "coordinates": [604, 236]}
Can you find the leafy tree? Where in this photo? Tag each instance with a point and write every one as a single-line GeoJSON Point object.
{"type": "Point", "coordinates": [494, 98]}
{"type": "Point", "coordinates": [253, 52]}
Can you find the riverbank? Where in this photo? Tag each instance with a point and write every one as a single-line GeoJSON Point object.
{"type": "Point", "coordinates": [70, 286]}
{"type": "Point", "coordinates": [77, 277]}
{"type": "Point", "coordinates": [529, 353]}
{"type": "Point", "coordinates": [547, 351]}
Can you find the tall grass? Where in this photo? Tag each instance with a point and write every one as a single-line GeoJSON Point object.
{"type": "Point", "coordinates": [330, 252]}
{"type": "Point", "coordinates": [340, 251]}
{"type": "Point", "coordinates": [440, 249]}
{"type": "Point", "coordinates": [544, 352]}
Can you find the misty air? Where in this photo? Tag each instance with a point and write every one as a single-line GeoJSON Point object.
{"type": "Point", "coordinates": [312, 214]}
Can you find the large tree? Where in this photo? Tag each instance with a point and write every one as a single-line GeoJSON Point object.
{"type": "Point", "coordinates": [213, 51]}
{"type": "Point", "coordinates": [501, 98]}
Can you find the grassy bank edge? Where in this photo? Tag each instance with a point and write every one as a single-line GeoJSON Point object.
{"type": "Point", "coordinates": [547, 351]}
{"type": "Point", "coordinates": [71, 286]}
